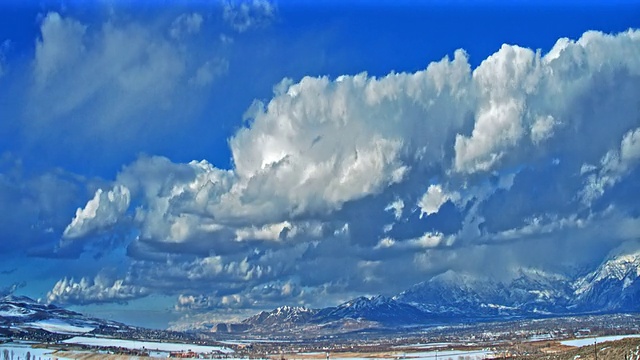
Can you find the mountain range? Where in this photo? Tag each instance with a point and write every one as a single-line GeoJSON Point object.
{"type": "Point", "coordinates": [614, 286]}
{"type": "Point", "coordinates": [448, 298]}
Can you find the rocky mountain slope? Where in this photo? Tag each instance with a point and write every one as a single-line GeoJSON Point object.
{"type": "Point", "coordinates": [378, 309]}
{"type": "Point", "coordinates": [281, 318]}
{"type": "Point", "coordinates": [615, 285]}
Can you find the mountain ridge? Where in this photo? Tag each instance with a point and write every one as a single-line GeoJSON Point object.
{"type": "Point", "coordinates": [450, 297]}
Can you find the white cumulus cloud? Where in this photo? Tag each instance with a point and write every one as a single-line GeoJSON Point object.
{"type": "Point", "coordinates": [434, 198]}
{"type": "Point", "coordinates": [614, 165]}
{"type": "Point", "coordinates": [101, 289]}
{"type": "Point", "coordinates": [104, 210]}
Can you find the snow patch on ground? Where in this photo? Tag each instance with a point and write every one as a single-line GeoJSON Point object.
{"type": "Point", "coordinates": [60, 327]}
{"type": "Point", "coordinates": [148, 345]}
{"type": "Point", "coordinates": [14, 311]}
{"type": "Point", "coordinates": [252, 341]}
{"type": "Point", "coordinates": [19, 351]}
{"type": "Point", "coordinates": [590, 340]}
{"type": "Point", "coordinates": [427, 345]}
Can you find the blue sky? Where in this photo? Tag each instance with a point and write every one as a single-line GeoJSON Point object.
{"type": "Point", "coordinates": [161, 161]}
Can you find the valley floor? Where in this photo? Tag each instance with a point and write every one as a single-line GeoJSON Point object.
{"type": "Point", "coordinates": [607, 348]}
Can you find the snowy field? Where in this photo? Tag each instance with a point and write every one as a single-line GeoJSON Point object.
{"type": "Point", "coordinates": [255, 341]}
{"type": "Point", "coordinates": [20, 351]}
{"type": "Point", "coordinates": [428, 345]}
{"type": "Point", "coordinates": [441, 355]}
{"type": "Point", "coordinates": [148, 345]}
{"type": "Point", "coordinates": [600, 339]}
{"type": "Point", "coordinates": [59, 326]}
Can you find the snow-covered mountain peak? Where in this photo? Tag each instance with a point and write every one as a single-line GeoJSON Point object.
{"type": "Point", "coordinates": [291, 309]}
{"type": "Point", "coordinates": [453, 277]}
{"type": "Point", "coordinates": [289, 313]}
{"type": "Point", "coordinates": [624, 268]}
{"type": "Point", "coordinates": [615, 283]}
{"type": "Point", "coordinates": [282, 316]}
{"type": "Point", "coordinates": [356, 303]}
{"type": "Point", "coordinates": [365, 302]}
{"type": "Point", "coordinates": [18, 299]}
{"type": "Point", "coordinates": [539, 274]}
{"type": "Point", "coordinates": [379, 300]}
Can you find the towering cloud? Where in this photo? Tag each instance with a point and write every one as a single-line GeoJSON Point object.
{"type": "Point", "coordinates": [104, 210]}
{"type": "Point", "coordinates": [342, 184]}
